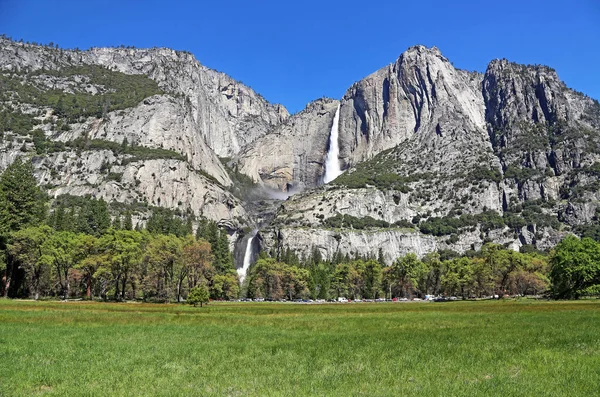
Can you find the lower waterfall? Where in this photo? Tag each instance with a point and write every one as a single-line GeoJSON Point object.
{"type": "Point", "coordinates": [247, 258]}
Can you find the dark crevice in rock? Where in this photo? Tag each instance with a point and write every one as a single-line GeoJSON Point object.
{"type": "Point", "coordinates": [359, 108]}
{"type": "Point", "coordinates": [540, 94]}
{"type": "Point", "coordinates": [386, 97]}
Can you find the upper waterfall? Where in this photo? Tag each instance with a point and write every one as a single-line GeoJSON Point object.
{"type": "Point", "coordinates": [332, 162]}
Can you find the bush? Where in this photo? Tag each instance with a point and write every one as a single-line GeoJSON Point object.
{"type": "Point", "coordinates": [16, 121]}
{"type": "Point", "coordinates": [348, 221]}
{"type": "Point", "coordinates": [486, 174]}
{"type": "Point", "coordinates": [198, 295]}
{"type": "Point", "coordinates": [448, 225]}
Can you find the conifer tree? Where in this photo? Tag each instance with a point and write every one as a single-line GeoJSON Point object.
{"type": "Point", "coordinates": [116, 223]}
{"type": "Point", "coordinates": [22, 203]}
{"type": "Point", "coordinates": [127, 222]}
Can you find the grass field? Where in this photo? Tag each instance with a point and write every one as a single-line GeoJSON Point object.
{"type": "Point", "coordinates": [523, 348]}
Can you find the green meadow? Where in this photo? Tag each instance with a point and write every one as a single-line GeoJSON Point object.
{"type": "Point", "coordinates": [485, 348]}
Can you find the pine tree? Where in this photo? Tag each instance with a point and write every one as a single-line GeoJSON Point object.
{"type": "Point", "coordinates": [22, 203]}
{"type": "Point", "coordinates": [197, 295]}
{"type": "Point", "coordinates": [93, 217]}
{"type": "Point", "coordinates": [225, 258]}
{"type": "Point", "coordinates": [128, 222]}
{"type": "Point", "coordinates": [116, 223]}
{"type": "Point", "coordinates": [189, 227]}
{"type": "Point", "coordinates": [59, 218]}
{"type": "Point", "coordinates": [201, 231]}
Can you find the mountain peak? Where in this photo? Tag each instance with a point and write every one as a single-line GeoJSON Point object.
{"type": "Point", "coordinates": [421, 53]}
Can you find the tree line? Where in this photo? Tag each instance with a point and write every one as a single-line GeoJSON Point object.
{"type": "Point", "coordinates": [79, 251]}
{"type": "Point", "coordinates": [570, 271]}
{"type": "Point", "coordinates": [493, 271]}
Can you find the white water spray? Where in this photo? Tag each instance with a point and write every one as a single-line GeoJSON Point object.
{"type": "Point", "coordinates": [332, 162]}
{"type": "Point", "coordinates": [247, 258]}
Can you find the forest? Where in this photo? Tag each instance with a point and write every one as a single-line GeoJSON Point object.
{"type": "Point", "coordinates": [79, 250]}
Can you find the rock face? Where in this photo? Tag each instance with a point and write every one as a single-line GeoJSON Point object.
{"type": "Point", "coordinates": [203, 114]}
{"type": "Point", "coordinates": [165, 183]}
{"type": "Point", "coordinates": [434, 157]}
{"type": "Point", "coordinates": [391, 243]}
{"type": "Point", "coordinates": [420, 96]}
{"type": "Point", "coordinates": [227, 113]}
{"type": "Point", "coordinates": [160, 121]}
{"type": "Point", "coordinates": [545, 135]}
{"type": "Point", "coordinates": [292, 155]}
{"type": "Point", "coordinates": [422, 140]}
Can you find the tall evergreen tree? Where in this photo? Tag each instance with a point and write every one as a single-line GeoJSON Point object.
{"type": "Point", "coordinates": [127, 222]}
{"type": "Point", "coordinates": [225, 259]}
{"type": "Point", "coordinates": [22, 204]}
{"type": "Point", "coordinates": [93, 217]}
{"type": "Point", "coordinates": [116, 223]}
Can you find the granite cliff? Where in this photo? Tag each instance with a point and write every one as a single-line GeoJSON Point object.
{"type": "Point", "coordinates": [434, 157]}
{"type": "Point", "coordinates": [440, 158]}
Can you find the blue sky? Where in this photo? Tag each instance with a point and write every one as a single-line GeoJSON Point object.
{"type": "Point", "coordinates": [294, 52]}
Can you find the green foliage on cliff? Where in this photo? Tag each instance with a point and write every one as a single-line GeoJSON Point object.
{"type": "Point", "coordinates": [137, 153]}
{"type": "Point", "coordinates": [485, 173]}
{"type": "Point", "coordinates": [348, 221]}
{"type": "Point", "coordinates": [117, 90]}
{"type": "Point", "coordinates": [16, 121]}
{"type": "Point", "coordinates": [45, 145]}
{"type": "Point", "coordinates": [447, 225]}
{"type": "Point", "coordinates": [381, 172]}
{"type": "Point", "coordinates": [365, 175]}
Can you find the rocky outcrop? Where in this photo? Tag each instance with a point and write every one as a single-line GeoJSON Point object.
{"type": "Point", "coordinates": [160, 121]}
{"type": "Point", "coordinates": [391, 243]}
{"type": "Point", "coordinates": [515, 93]}
{"type": "Point", "coordinates": [291, 156]}
{"type": "Point", "coordinates": [201, 115]}
{"type": "Point", "coordinates": [545, 135]}
{"type": "Point", "coordinates": [167, 183]}
{"type": "Point", "coordinates": [420, 96]}
{"type": "Point", "coordinates": [228, 114]}
{"type": "Point", "coordinates": [452, 142]}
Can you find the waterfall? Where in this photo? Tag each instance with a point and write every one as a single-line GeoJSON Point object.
{"type": "Point", "coordinates": [332, 163]}
{"type": "Point", "coordinates": [247, 258]}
